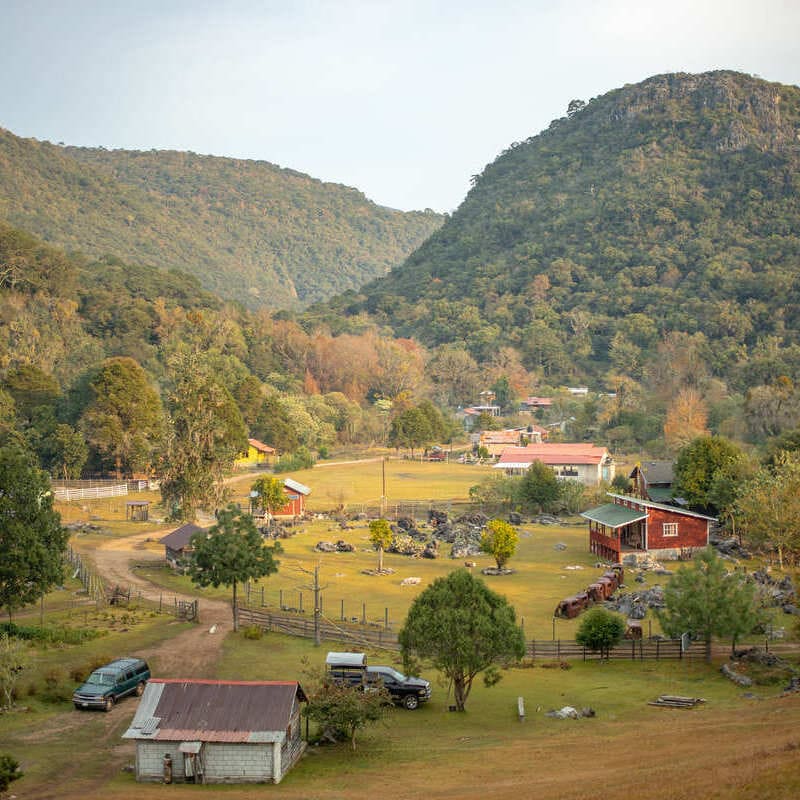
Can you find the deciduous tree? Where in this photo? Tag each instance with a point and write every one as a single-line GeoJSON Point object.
{"type": "Point", "coordinates": [463, 627]}
{"type": "Point", "coordinates": [341, 710]}
{"type": "Point", "coordinates": [380, 534]}
{"type": "Point", "coordinates": [206, 436]}
{"type": "Point", "coordinates": [32, 541]}
{"type": "Point", "coordinates": [539, 488]}
{"type": "Point", "coordinates": [124, 420]}
{"type": "Point", "coordinates": [500, 540]}
{"type": "Point", "coordinates": [768, 509]}
{"type": "Point", "coordinates": [698, 464]}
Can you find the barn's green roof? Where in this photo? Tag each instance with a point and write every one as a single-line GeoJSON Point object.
{"type": "Point", "coordinates": [613, 515]}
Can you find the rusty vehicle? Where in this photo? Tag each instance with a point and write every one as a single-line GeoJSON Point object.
{"type": "Point", "coordinates": [609, 586]}
{"type": "Point", "coordinates": [570, 607]}
{"type": "Point", "coordinates": [633, 629]}
{"type": "Point", "coordinates": [596, 592]}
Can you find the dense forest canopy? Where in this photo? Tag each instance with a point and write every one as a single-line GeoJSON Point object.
{"type": "Point", "coordinates": [646, 245]}
{"type": "Point", "coordinates": [660, 220]}
{"type": "Point", "coordinates": [248, 230]}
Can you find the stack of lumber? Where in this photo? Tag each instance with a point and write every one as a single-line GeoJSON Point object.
{"type": "Point", "coordinates": [676, 701]}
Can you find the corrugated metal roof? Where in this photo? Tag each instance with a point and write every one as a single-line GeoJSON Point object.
{"type": "Point", "coordinates": [216, 711]}
{"type": "Point", "coordinates": [296, 485]}
{"type": "Point", "coordinates": [180, 537]}
{"type": "Point", "coordinates": [571, 453]}
{"type": "Point", "coordinates": [614, 515]}
{"type": "Point", "coordinates": [662, 506]}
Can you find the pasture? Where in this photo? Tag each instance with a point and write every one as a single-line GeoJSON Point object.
{"type": "Point", "coordinates": [739, 745]}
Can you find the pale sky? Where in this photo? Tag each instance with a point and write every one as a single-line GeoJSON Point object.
{"type": "Point", "coordinates": [403, 100]}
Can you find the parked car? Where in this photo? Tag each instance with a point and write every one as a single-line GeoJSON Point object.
{"type": "Point", "coordinates": [109, 683]}
{"type": "Point", "coordinates": [404, 690]}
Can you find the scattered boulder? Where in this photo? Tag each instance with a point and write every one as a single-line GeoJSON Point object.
{"type": "Point", "coordinates": [464, 550]}
{"type": "Point", "coordinates": [739, 680]}
{"type": "Point", "coordinates": [497, 571]}
{"type": "Point", "coordinates": [568, 712]}
{"type": "Point", "coordinates": [406, 546]}
{"type": "Point", "coordinates": [559, 546]}
{"type": "Point", "coordinates": [514, 518]}
{"type": "Point", "coordinates": [339, 547]}
{"type": "Point", "coordinates": [437, 518]}
{"type": "Point", "coordinates": [410, 581]}
{"type": "Point", "coordinates": [431, 550]}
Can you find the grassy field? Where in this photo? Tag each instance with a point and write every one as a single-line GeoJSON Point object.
{"type": "Point", "coordinates": [739, 745]}
{"type": "Point", "coordinates": [357, 483]}
{"type": "Point", "coordinates": [540, 580]}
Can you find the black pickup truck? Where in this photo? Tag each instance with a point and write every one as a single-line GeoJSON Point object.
{"type": "Point", "coordinates": [404, 690]}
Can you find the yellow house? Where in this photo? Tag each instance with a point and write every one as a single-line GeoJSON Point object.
{"type": "Point", "coordinates": [258, 454]}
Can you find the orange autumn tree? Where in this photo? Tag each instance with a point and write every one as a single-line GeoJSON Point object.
{"type": "Point", "coordinates": [686, 420]}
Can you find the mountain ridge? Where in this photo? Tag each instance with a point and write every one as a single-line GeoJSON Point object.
{"type": "Point", "coordinates": [251, 231]}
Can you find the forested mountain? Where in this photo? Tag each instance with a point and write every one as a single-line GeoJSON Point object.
{"type": "Point", "coordinates": [248, 230]}
{"type": "Point", "coordinates": [653, 230]}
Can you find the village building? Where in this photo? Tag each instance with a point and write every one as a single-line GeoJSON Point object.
{"type": "Point", "coordinates": [531, 404]}
{"type": "Point", "coordinates": [178, 544]}
{"type": "Point", "coordinates": [206, 731]}
{"type": "Point", "coordinates": [258, 455]}
{"type": "Point", "coordinates": [587, 463]}
{"type": "Point", "coordinates": [630, 528]}
{"type": "Point", "coordinates": [496, 442]}
{"type": "Point", "coordinates": [652, 480]}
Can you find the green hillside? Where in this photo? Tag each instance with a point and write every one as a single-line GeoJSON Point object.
{"type": "Point", "coordinates": [248, 230]}
{"type": "Point", "coordinates": [666, 211]}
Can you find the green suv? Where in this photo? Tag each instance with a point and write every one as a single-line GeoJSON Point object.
{"type": "Point", "coordinates": [106, 685]}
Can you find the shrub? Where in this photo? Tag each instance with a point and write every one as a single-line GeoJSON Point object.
{"type": "Point", "coordinates": [600, 630]}
{"type": "Point", "coordinates": [253, 632]}
{"type": "Point", "coordinates": [56, 689]}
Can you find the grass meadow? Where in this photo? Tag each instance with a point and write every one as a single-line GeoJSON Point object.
{"type": "Point", "coordinates": [739, 745]}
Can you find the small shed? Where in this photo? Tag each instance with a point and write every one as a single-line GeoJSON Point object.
{"type": "Point", "coordinates": [137, 510]}
{"type": "Point", "coordinates": [217, 731]}
{"type": "Point", "coordinates": [179, 543]}
{"type": "Point", "coordinates": [296, 494]}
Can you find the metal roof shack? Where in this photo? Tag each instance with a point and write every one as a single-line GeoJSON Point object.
{"type": "Point", "coordinates": [217, 731]}
{"type": "Point", "coordinates": [178, 543]}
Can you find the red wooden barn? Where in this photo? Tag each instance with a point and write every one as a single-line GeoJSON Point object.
{"type": "Point", "coordinates": [630, 527]}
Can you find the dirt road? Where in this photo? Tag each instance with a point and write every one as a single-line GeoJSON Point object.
{"type": "Point", "coordinates": [193, 653]}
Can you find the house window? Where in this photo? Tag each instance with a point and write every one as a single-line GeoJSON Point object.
{"type": "Point", "coordinates": [669, 529]}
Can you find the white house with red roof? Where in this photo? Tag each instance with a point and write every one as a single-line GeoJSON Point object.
{"type": "Point", "coordinates": [587, 463]}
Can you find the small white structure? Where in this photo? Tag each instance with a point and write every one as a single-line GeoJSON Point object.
{"type": "Point", "coordinates": [204, 731]}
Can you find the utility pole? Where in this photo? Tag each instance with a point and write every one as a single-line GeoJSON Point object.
{"type": "Point", "coordinates": [317, 610]}
{"type": "Point", "coordinates": [383, 487]}
{"type": "Point", "coordinates": [316, 588]}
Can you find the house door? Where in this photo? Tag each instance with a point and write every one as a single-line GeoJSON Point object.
{"type": "Point", "coordinates": [192, 761]}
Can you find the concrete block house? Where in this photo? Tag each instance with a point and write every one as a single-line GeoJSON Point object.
{"type": "Point", "coordinates": [205, 731]}
{"type": "Point", "coordinates": [630, 528]}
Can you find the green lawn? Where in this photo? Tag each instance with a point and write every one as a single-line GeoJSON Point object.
{"type": "Point", "coordinates": [354, 484]}
{"type": "Point", "coordinates": [540, 580]}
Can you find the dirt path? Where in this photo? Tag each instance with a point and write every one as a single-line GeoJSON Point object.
{"type": "Point", "coordinates": [195, 652]}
